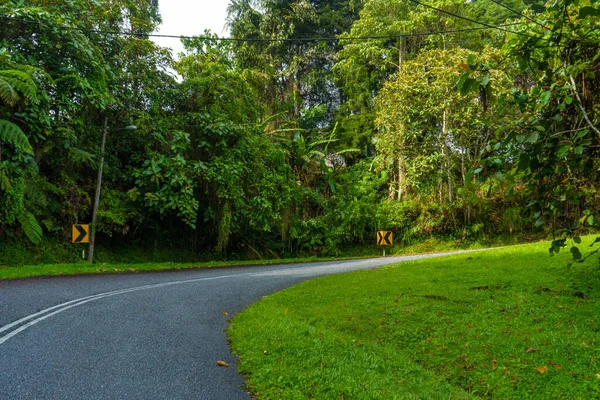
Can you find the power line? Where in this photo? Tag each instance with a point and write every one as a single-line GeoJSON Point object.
{"type": "Point", "coordinates": [472, 20]}
{"type": "Point", "coordinates": [520, 14]}
{"type": "Point", "coordinates": [316, 39]}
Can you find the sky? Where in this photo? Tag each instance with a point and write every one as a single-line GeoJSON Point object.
{"type": "Point", "coordinates": [189, 18]}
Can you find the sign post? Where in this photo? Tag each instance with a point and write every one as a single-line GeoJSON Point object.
{"type": "Point", "coordinates": [385, 238]}
{"type": "Point", "coordinates": [80, 234]}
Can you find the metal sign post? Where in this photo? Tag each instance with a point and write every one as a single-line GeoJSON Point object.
{"type": "Point", "coordinates": [80, 234]}
{"type": "Point", "coordinates": [385, 238]}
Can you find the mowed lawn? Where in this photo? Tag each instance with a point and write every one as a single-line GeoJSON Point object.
{"type": "Point", "coordinates": [506, 323]}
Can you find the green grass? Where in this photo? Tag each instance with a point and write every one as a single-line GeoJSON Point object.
{"type": "Point", "coordinates": [54, 258]}
{"type": "Point", "coordinates": [506, 323]}
{"type": "Point", "coordinates": [27, 271]}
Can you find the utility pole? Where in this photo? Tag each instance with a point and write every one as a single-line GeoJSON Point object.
{"type": "Point", "coordinates": [97, 197]}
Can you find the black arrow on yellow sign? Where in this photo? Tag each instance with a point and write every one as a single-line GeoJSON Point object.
{"type": "Point", "coordinates": [80, 234]}
{"type": "Point", "coordinates": [384, 238]}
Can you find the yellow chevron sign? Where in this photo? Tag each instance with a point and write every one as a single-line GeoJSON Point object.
{"type": "Point", "coordinates": [385, 238]}
{"type": "Point", "coordinates": [80, 234]}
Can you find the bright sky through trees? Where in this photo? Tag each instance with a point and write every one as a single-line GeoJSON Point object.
{"type": "Point", "coordinates": [191, 17]}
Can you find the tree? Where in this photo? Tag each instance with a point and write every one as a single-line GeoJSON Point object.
{"type": "Point", "coordinates": [553, 143]}
{"type": "Point", "coordinates": [426, 124]}
{"type": "Point", "coordinates": [17, 163]}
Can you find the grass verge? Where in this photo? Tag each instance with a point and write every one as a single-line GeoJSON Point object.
{"type": "Point", "coordinates": [506, 323]}
{"type": "Point", "coordinates": [27, 271]}
{"type": "Point", "coordinates": [133, 261]}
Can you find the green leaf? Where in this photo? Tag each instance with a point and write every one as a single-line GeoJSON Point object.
{"type": "Point", "coordinates": [471, 61]}
{"type": "Point", "coordinates": [563, 151]}
{"type": "Point", "coordinates": [556, 245]}
{"type": "Point", "coordinates": [539, 222]}
{"type": "Point", "coordinates": [485, 80]}
{"type": "Point", "coordinates": [524, 162]}
{"type": "Point", "coordinates": [468, 85]}
{"type": "Point", "coordinates": [521, 98]}
{"type": "Point", "coordinates": [532, 137]}
{"type": "Point", "coordinates": [581, 134]}
{"type": "Point", "coordinates": [461, 81]}
{"type": "Point", "coordinates": [576, 253]}
{"type": "Point", "coordinates": [585, 12]}
{"type": "Point", "coordinates": [545, 97]}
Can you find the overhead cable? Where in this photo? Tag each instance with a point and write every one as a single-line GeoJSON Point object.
{"type": "Point", "coordinates": [520, 14]}
{"type": "Point", "coordinates": [234, 39]}
{"type": "Point", "coordinates": [472, 20]}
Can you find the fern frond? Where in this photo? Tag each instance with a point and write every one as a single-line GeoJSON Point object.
{"type": "Point", "coordinates": [4, 181]}
{"type": "Point", "coordinates": [79, 156]}
{"type": "Point", "coordinates": [30, 226]}
{"type": "Point", "coordinates": [11, 133]}
{"type": "Point", "coordinates": [7, 93]}
{"type": "Point", "coordinates": [21, 82]}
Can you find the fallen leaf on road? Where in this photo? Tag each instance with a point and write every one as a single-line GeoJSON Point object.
{"type": "Point", "coordinates": [224, 313]}
{"type": "Point", "coordinates": [222, 364]}
{"type": "Point", "coordinates": [542, 370]}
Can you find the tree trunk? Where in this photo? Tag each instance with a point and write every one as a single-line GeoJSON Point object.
{"type": "Point", "coordinates": [97, 197]}
{"type": "Point", "coordinates": [401, 166]}
{"type": "Point", "coordinates": [401, 177]}
{"type": "Point", "coordinates": [446, 152]}
{"type": "Point", "coordinates": [401, 51]}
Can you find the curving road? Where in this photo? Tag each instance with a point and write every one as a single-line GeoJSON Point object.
{"type": "Point", "coordinates": [136, 336]}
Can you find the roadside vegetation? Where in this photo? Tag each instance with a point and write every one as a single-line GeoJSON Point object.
{"type": "Point", "coordinates": [449, 120]}
{"type": "Point", "coordinates": [27, 271]}
{"type": "Point", "coordinates": [43, 260]}
{"type": "Point", "coordinates": [504, 323]}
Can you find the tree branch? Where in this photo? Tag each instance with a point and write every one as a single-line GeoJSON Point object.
{"type": "Point", "coordinates": [580, 104]}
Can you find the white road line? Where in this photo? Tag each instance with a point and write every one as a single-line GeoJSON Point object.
{"type": "Point", "coordinates": [303, 271]}
{"type": "Point", "coordinates": [17, 322]}
{"type": "Point", "coordinates": [77, 302]}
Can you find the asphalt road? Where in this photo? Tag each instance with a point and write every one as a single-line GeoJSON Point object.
{"type": "Point", "coordinates": [136, 336]}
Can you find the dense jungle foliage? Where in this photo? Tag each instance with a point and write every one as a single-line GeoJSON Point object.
{"type": "Point", "coordinates": [475, 121]}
